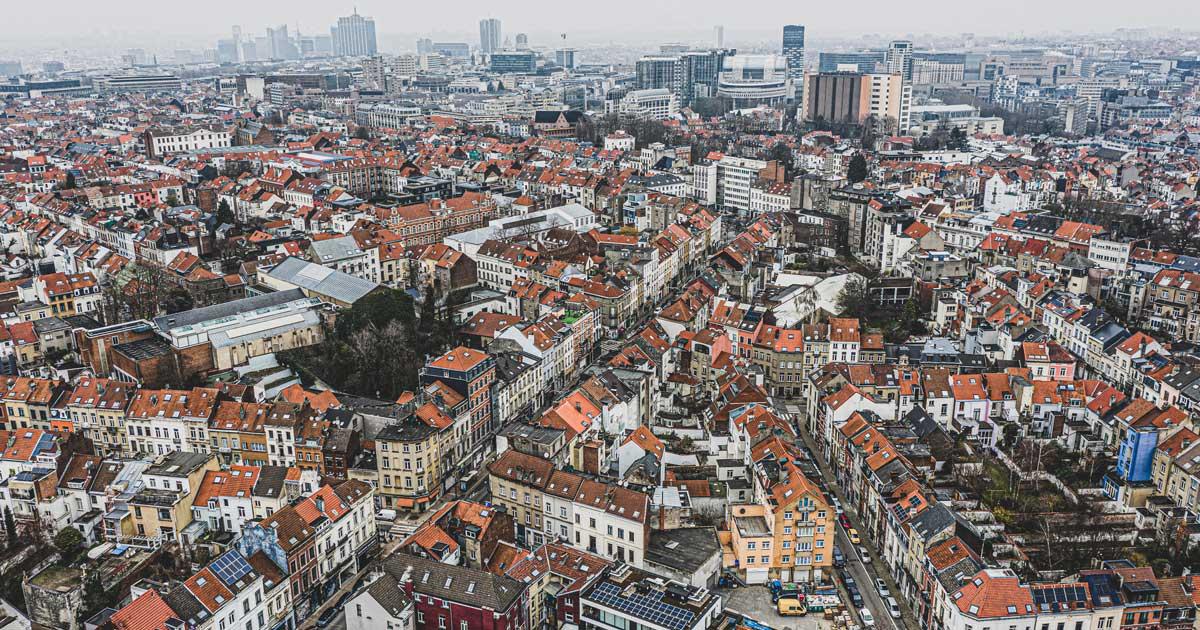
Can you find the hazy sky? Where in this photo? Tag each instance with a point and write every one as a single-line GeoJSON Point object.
{"type": "Point", "coordinates": [192, 22]}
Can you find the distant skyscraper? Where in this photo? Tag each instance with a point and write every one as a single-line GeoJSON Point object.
{"type": "Point", "coordinates": [424, 46]}
{"type": "Point", "coordinates": [719, 35]}
{"type": "Point", "coordinates": [522, 41]}
{"type": "Point", "coordinates": [899, 58]}
{"type": "Point", "coordinates": [793, 50]}
{"type": "Point", "coordinates": [354, 36]}
{"type": "Point", "coordinates": [489, 35]}
{"type": "Point", "coordinates": [565, 57]}
{"type": "Point", "coordinates": [280, 44]}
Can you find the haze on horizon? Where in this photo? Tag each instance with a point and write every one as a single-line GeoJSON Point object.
{"type": "Point", "coordinates": [130, 22]}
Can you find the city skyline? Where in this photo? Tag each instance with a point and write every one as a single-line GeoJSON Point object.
{"type": "Point", "coordinates": [140, 18]}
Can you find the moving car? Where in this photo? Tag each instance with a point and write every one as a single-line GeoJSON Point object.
{"type": "Point", "coordinates": [854, 538]}
{"type": "Point", "coordinates": [867, 619]}
{"type": "Point", "coordinates": [881, 586]}
{"type": "Point", "coordinates": [790, 607]}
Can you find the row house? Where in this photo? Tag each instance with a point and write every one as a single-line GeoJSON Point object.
{"type": "Point", "coordinates": [319, 541]}
{"type": "Point", "coordinates": [548, 504]}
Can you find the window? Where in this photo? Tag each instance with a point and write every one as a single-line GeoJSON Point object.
{"type": "Point", "coordinates": [442, 621]}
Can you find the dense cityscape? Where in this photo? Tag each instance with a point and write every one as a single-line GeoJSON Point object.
{"type": "Point", "coordinates": [516, 332]}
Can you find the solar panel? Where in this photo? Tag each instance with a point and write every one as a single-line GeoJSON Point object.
{"type": "Point", "coordinates": [230, 568]}
{"type": "Point", "coordinates": [648, 607]}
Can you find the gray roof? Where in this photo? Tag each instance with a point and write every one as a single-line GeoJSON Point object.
{"type": "Point", "coordinates": [471, 587]}
{"type": "Point", "coordinates": [388, 593]}
{"type": "Point", "coordinates": [932, 520]}
{"type": "Point", "coordinates": [322, 281]}
{"type": "Point", "coordinates": [227, 309]}
{"type": "Point", "coordinates": [333, 249]}
{"type": "Point", "coordinates": [686, 549]}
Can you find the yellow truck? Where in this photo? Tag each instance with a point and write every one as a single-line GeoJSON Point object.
{"type": "Point", "coordinates": [791, 606]}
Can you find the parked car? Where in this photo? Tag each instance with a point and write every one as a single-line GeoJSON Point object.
{"type": "Point", "coordinates": [328, 616]}
{"type": "Point", "coordinates": [867, 618]}
{"type": "Point", "coordinates": [856, 598]}
{"type": "Point", "coordinates": [839, 559]}
{"type": "Point", "coordinates": [864, 554]}
{"type": "Point", "coordinates": [853, 535]}
{"type": "Point", "coordinates": [848, 580]}
{"type": "Point", "coordinates": [881, 586]}
{"type": "Point", "coordinates": [844, 520]}
{"type": "Point", "coordinates": [893, 607]}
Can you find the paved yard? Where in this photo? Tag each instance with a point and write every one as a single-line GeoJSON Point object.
{"type": "Point", "coordinates": [755, 601]}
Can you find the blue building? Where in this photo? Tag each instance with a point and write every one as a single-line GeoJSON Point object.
{"type": "Point", "coordinates": [1141, 425]}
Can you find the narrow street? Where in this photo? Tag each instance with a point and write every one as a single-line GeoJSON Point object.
{"type": "Point", "coordinates": [864, 570]}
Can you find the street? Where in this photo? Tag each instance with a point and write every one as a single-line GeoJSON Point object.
{"type": "Point", "coordinates": [863, 570]}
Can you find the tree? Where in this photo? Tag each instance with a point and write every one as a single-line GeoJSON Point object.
{"type": "Point", "coordinates": [70, 183]}
{"type": "Point", "coordinates": [69, 542]}
{"type": "Point", "coordinates": [782, 154]}
{"type": "Point", "coordinates": [362, 133]}
{"type": "Point", "coordinates": [225, 214]}
{"type": "Point", "coordinates": [855, 299]}
{"type": "Point", "coordinates": [137, 292]}
{"type": "Point", "coordinates": [172, 200]}
{"type": "Point", "coordinates": [857, 171]}
{"type": "Point", "coordinates": [95, 596]}
{"type": "Point", "coordinates": [10, 527]}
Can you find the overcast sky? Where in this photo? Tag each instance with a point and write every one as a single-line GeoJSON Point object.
{"type": "Point", "coordinates": [200, 21]}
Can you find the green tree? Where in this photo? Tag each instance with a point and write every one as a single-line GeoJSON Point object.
{"type": "Point", "coordinates": [362, 133]}
{"type": "Point", "coordinates": [225, 214]}
{"type": "Point", "coordinates": [70, 183]}
{"type": "Point", "coordinates": [69, 543]}
{"type": "Point", "coordinates": [857, 171]}
{"type": "Point", "coordinates": [172, 199]}
{"type": "Point", "coordinates": [855, 299]}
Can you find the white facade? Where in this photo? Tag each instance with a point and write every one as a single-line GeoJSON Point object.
{"type": "Point", "coordinates": [191, 140]}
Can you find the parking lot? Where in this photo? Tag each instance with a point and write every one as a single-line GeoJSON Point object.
{"type": "Point", "coordinates": [755, 601]}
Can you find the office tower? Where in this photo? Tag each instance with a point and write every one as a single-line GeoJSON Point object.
{"type": "Point", "coordinates": [514, 61]}
{"type": "Point", "coordinates": [659, 72]}
{"type": "Point", "coordinates": [227, 51]}
{"type": "Point", "coordinates": [701, 70]}
{"type": "Point", "coordinates": [489, 35]}
{"type": "Point", "coordinates": [852, 98]}
{"type": "Point", "coordinates": [864, 62]}
{"type": "Point", "coordinates": [719, 35]}
{"type": "Point", "coordinates": [899, 58]}
{"type": "Point", "coordinates": [249, 51]}
{"type": "Point", "coordinates": [522, 41]}
{"type": "Point", "coordinates": [793, 51]}
{"type": "Point", "coordinates": [10, 68]}
{"type": "Point", "coordinates": [565, 57]}
{"type": "Point", "coordinates": [424, 46]}
{"type": "Point", "coordinates": [354, 36]}
{"type": "Point", "coordinates": [280, 45]}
